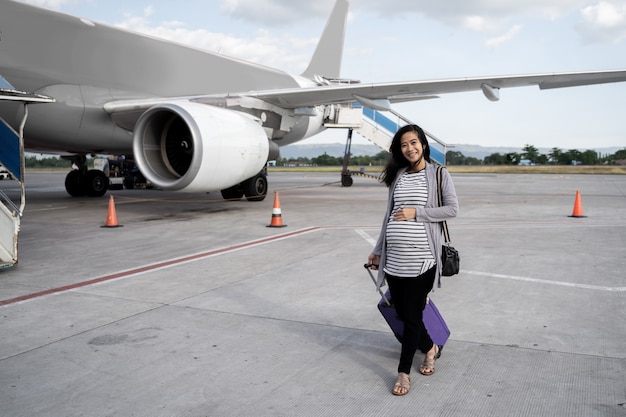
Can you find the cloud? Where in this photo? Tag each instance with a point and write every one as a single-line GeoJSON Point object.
{"type": "Point", "coordinates": [51, 4]}
{"type": "Point", "coordinates": [603, 22]}
{"type": "Point", "coordinates": [500, 40]}
{"type": "Point", "coordinates": [477, 23]}
{"type": "Point", "coordinates": [459, 9]}
{"type": "Point", "coordinates": [262, 48]}
{"type": "Point", "coordinates": [276, 12]}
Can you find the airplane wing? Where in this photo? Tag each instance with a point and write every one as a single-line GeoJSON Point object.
{"type": "Point", "coordinates": [407, 91]}
{"type": "Point", "coordinates": [372, 94]}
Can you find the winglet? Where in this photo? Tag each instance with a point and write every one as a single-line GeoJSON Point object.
{"type": "Point", "coordinates": [326, 60]}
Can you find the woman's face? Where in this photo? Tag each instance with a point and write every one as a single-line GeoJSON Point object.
{"type": "Point", "coordinates": [412, 149]}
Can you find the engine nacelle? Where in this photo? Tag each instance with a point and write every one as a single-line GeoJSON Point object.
{"type": "Point", "coordinates": [194, 147]}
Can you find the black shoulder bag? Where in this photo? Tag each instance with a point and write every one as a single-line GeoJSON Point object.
{"type": "Point", "coordinates": [450, 259]}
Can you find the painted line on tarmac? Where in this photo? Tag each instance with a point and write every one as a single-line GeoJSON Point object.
{"type": "Point", "coordinates": [366, 237]}
{"type": "Point", "coordinates": [574, 223]}
{"type": "Point", "coordinates": [171, 262]}
{"type": "Point", "coordinates": [202, 255]}
{"type": "Point", "coordinates": [160, 265]}
{"type": "Point", "coordinates": [372, 241]}
{"type": "Point", "coordinates": [545, 281]}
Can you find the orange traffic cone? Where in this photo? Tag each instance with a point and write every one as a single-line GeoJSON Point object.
{"type": "Point", "coordinates": [111, 215]}
{"type": "Point", "coordinates": [277, 216]}
{"type": "Point", "coordinates": [578, 206]}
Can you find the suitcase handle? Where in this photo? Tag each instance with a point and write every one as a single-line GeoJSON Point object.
{"type": "Point", "coordinates": [382, 294]}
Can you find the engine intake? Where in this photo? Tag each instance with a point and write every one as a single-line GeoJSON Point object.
{"type": "Point", "coordinates": [194, 147]}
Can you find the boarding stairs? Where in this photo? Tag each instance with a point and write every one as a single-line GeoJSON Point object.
{"type": "Point", "coordinates": [378, 128]}
{"type": "Point", "coordinates": [12, 199]}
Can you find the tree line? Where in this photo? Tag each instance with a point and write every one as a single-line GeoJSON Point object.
{"type": "Point", "coordinates": [529, 155]}
{"type": "Point", "coordinates": [47, 162]}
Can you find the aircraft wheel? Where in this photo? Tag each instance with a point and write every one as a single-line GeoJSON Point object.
{"type": "Point", "coordinates": [255, 188]}
{"type": "Point", "coordinates": [96, 184]}
{"type": "Point", "coordinates": [346, 180]}
{"type": "Point", "coordinates": [75, 183]}
{"type": "Point", "coordinates": [232, 193]}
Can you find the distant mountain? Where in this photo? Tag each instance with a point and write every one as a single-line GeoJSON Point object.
{"type": "Point", "coordinates": [338, 149]}
{"type": "Point", "coordinates": [332, 149]}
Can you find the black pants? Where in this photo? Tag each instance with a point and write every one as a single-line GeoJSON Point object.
{"type": "Point", "coordinates": [409, 298]}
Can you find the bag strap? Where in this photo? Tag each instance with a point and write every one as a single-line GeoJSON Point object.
{"type": "Point", "coordinates": [444, 224]}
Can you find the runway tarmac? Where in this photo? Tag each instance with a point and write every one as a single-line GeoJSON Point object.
{"type": "Point", "coordinates": [195, 308]}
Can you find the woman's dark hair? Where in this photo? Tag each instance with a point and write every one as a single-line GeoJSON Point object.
{"type": "Point", "coordinates": [396, 159]}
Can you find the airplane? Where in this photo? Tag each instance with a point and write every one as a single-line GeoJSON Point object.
{"type": "Point", "coordinates": [195, 121]}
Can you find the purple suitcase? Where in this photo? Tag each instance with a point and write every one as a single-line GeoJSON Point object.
{"type": "Point", "coordinates": [434, 322]}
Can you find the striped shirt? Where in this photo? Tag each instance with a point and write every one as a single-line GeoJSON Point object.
{"type": "Point", "coordinates": [408, 254]}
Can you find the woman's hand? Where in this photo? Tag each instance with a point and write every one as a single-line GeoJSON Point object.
{"type": "Point", "coordinates": [373, 261]}
{"type": "Point", "coordinates": [404, 214]}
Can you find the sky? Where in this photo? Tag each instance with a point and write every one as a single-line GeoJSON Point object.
{"type": "Point", "coordinates": [399, 40]}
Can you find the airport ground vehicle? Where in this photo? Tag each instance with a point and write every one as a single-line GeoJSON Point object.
{"type": "Point", "coordinates": [4, 173]}
{"type": "Point", "coordinates": [126, 169]}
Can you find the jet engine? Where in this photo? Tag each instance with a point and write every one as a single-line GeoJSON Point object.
{"type": "Point", "coordinates": [194, 147]}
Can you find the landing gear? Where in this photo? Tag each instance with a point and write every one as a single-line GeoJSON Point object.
{"type": "Point", "coordinates": [346, 176]}
{"type": "Point", "coordinates": [83, 182]}
{"type": "Point", "coordinates": [233, 193]}
{"type": "Point", "coordinates": [346, 179]}
{"type": "Point", "coordinates": [255, 188]}
{"type": "Point", "coordinates": [75, 183]}
{"type": "Point", "coordinates": [97, 183]}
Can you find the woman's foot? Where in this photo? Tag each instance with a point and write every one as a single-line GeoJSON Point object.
{"type": "Point", "coordinates": [428, 366]}
{"type": "Point", "coordinates": [403, 384]}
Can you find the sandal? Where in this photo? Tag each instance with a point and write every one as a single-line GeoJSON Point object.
{"type": "Point", "coordinates": [428, 366]}
{"type": "Point", "coordinates": [403, 384]}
